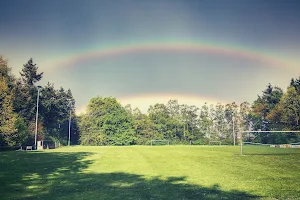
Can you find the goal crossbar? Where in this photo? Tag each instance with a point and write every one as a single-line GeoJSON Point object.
{"type": "Point", "coordinates": [219, 142]}
{"type": "Point", "coordinates": [168, 141]}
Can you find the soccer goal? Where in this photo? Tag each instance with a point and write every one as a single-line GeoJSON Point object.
{"type": "Point", "coordinates": [258, 141]}
{"type": "Point", "coordinates": [215, 143]}
{"type": "Point", "coordinates": [160, 142]}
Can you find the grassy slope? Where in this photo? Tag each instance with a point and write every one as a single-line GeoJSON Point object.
{"type": "Point", "coordinates": [143, 172]}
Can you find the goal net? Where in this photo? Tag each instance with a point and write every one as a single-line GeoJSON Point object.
{"type": "Point", "coordinates": [160, 142]}
{"type": "Point", "coordinates": [269, 142]}
{"type": "Point", "coordinates": [215, 143]}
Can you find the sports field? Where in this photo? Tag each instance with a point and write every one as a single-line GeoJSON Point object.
{"type": "Point", "coordinates": [145, 172]}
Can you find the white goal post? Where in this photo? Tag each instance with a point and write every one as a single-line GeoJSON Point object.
{"type": "Point", "coordinates": [160, 141]}
{"type": "Point", "coordinates": [241, 136]}
{"type": "Point", "coordinates": [215, 142]}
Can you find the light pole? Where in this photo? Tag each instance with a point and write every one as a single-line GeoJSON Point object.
{"type": "Point", "coordinates": [37, 116]}
{"type": "Point", "coordinates": [241, 147]}
{"type": "Point", "coordinates": [69, 123]}
{"type": "Point", "coordinates": [233, 133]}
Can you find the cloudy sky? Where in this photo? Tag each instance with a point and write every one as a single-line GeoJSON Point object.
{"type": "Point", "coordinates": [143, 52]}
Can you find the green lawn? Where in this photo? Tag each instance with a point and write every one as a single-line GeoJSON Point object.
{"type": "Point", "coordinates": [145, 172]}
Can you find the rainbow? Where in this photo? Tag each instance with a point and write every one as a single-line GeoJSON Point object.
{"type": "Point", "coordinates": [97, 52]}
{"type": "Point", "coordinates": [168, 45]}
{"type": "Point", "coordinates": [143, 101]}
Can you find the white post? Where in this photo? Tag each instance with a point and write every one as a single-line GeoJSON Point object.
{"type": "Point", "coordinates": [241, 138]}
{"type": "Point", "coordinates": [69, 128]}
{"type": "Point", "coordinates": [233, 130]}
{"type": "Point", "coordinates": [36, 118]}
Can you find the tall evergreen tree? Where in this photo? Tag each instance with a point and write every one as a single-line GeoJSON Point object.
{"type": "Point", "coordinates": [30, 74]}
{"type": "Point", "coordinates": [296, 84]}
{"type": "Point", "coordinates": [287, 112]}
{"type": "Point", "coordinates": [7, 116]}
{"type": "Point", "coordinates": [263, 105]}
{"type": "Point", "coordinates": [26, 92]}
{"type": "Point", "coordinates": [5, 71]}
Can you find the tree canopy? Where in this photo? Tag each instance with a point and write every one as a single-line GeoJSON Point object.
{"type": "Point", "coordinates": [107, 122]}
{"type": "Point", "coordinates": [18, 101]}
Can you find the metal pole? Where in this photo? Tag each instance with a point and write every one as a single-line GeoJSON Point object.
{"type": "Point", "coordinates": [241, 149]}
{"type": "Point", "coordinates": [36, 118]}
{"type": "Point", "coordinates": [233, 130]}
{"type": "Point", "coordinates": [69, 128]}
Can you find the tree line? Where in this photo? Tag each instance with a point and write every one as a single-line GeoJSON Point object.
{"type": "Point", "coordinates": [18, 106]}
{"type": "Point", "coordinates": [107, 122]}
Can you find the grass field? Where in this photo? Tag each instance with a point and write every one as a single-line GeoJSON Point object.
{"type": "Point", "coordinates": [145, 172]}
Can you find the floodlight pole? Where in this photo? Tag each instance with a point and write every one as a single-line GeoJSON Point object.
{"type": "Point", "coordinates": [36, 117]}
{"type": "Point", "coordinates": [233, 133]}
{"type": "Point", "coordinates": [241, 148]}
{"type": "Point", "coordinates": [69, 141]}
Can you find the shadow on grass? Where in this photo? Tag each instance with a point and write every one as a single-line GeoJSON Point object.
{"type": "Point", "coordinates": [40, 175]}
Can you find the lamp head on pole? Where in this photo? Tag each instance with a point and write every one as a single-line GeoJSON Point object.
{"type": "Point", "coordinates": [38, 87]}
{"type": "Point", "coordinates": [69, 102]}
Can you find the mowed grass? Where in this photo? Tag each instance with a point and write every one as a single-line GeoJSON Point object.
{"type": "Point", "coordinates": [145, 172]}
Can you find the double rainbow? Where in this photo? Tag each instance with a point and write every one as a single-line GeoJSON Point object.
{"type": "Point", "coordinates": [80, 56]}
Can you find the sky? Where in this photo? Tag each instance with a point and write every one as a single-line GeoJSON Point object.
{"type": "Point", "coordinates": [146, 52]}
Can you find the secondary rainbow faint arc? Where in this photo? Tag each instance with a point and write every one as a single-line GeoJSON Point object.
{"type": "Point", "coordinates": [154, 98]}
{"type": "Point", "coordinates": [143, 101]}
{"type": "Point", "coordinates": [193, 46]}
{"type": "Point", "coordinates": [169, 96]}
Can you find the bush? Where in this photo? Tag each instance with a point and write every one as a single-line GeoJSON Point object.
{"type": "Point", "coordinates": [228, 141]}
{"type": "Point", "coordinates": [201, 141]}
